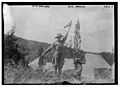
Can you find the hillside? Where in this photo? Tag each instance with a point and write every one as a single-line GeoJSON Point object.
{"type": "Point", "coordinates": [30, 49]}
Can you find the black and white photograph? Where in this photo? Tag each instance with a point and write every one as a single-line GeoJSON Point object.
{"type": "Point", "coordinates": [59, 43]}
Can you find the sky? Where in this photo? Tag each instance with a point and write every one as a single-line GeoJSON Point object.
{"type": "Point", "coordinates": [42, 24]}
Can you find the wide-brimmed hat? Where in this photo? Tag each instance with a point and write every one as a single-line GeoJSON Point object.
{"type": "Point", "coordinates": [58, 35]}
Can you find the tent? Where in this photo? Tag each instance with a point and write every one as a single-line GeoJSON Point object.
{"type": "Point", "coordinates": [67, 65]}
{"type": "Point", "coordinates": [113, 71]}
{"type": "Point", "coordinates": [34, 63]}
{"type": "Point", "coordinates": [93, 61]}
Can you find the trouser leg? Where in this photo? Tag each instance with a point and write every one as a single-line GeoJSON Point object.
{"type": "Point", "coordinates": [60, 68]}
{"type": "Point", "coordinates": [80, 72]}
{"type": "Point", "coordinates": [55, 68]}
{"type": "Point", "coordinates": [59, 71]}
{"type": "Point", "coordinates": [55, 57]}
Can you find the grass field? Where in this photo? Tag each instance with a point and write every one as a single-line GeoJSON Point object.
{"type": "Point", "coordinates": [29, 76]}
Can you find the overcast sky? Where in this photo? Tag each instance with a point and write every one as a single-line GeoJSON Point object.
{"type": "Point", "coordinates": [42, 24]}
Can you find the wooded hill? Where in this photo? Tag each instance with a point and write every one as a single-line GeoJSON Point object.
{"type": "Point", "coordinates": [33, 49]}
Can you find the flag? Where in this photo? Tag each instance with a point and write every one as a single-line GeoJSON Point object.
{"type": "Point", "coordinates": [78, 25]}
{"type": "Point", "coordinates": [68, 25]}
{"type": "Point", "coordinates": [77, 36]}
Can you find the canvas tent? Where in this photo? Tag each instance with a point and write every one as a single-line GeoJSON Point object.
{"type": "Point", "coordinates": [113, 71]}
{"type": "Point", "coordinates": [68, 64]}
{"type": "Point", "coordinates": [34, 63]}
{"type": "Point", "coordinates": [93, 61]}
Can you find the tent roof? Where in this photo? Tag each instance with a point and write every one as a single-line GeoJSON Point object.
{"type": "Point", "coordinates": [93, 61]}
{"type": "Point", "coordinates": [96, 60]}
{"type": "Point", "coordinates": [109, 57]}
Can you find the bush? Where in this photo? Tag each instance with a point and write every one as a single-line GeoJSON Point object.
{"type": "Point", "coordinates": [11, 53]}
{"type": "Point", "coordinates": [13, 59]}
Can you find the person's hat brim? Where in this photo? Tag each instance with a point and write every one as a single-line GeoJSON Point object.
{"type": "Point", "coordinates": [59, 36]}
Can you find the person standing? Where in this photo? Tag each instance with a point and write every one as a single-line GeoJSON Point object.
{"type": "Point", "coordinates": [78, 61]}
{"type": "Point", "coordinates": [58, 59]}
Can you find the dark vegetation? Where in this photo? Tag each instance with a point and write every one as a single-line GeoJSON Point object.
{"type": "Point", "coordinates": [12, 54]}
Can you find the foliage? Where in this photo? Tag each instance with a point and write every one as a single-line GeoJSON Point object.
{"type": "Point", "coordinates": [11, 53]}
{"type": "Point", "coordinates": [18, 74]}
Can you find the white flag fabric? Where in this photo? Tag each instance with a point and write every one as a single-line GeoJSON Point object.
{"type": "Point", "coordinates": [68, 25]}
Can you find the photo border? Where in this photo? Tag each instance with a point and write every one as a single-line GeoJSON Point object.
{"type": "Point", "coordinates": [67, 3]}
